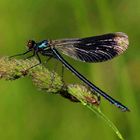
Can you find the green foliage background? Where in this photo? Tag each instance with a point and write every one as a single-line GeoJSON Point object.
{"type": "Point", "coordinates": [29, 114]}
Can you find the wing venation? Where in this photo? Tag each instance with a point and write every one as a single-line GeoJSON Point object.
{"type": "Point", "coordinates": [94, 49]}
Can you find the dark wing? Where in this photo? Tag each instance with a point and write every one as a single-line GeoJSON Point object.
{"type": "Point", "coordinates": [93, 49]}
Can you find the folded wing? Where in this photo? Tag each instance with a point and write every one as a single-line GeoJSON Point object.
{"type": "Point", "coordinates": [94, 49]}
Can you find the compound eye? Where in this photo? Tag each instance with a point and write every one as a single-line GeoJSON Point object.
{"type": "Point", "coordinates": [30, 44]}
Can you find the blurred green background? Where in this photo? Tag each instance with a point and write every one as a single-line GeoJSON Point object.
{"type": "Point", "coordinates": [29, 114]}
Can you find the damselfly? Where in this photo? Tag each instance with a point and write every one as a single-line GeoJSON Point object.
{"type": "Point", "coordinates": [91, 49]}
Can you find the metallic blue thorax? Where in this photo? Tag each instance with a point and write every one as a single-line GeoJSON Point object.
{"type": "Point", "coordinates": [42, 44]}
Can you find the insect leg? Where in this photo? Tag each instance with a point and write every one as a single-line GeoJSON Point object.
{"type": "Point", "coordinates": [62, 73]}
{"type": "Point", "coordinates": [31, 55]}
{"type": "Point", "coordinates": [48, 59]}
{"type": "Point", "coordinates": [39, 59]}
{"type": "Point", "coordinates": [20, 54]}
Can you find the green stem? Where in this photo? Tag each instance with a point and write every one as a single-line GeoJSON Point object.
{"type": "Point", "coordinates": [50, 82]}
